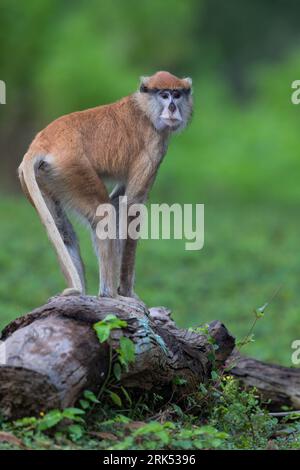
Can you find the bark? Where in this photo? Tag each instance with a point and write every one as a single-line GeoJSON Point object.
{"type": "Point", "coordinates": [277, 385]}
{"type": "Point", "coordinates": [52, 355]}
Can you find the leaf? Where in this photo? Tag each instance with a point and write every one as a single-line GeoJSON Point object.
{"type": "Point", "coordinates": [127, 396]}
{"type": "Point", "coordinates": [178, 410]}
{"type": "Point", "coordinates": [184, 444]}
{"type": "Point", "coordinates": [102, 331]}
{"type": "Point", "coordinates": [90, 396]}
{"type": "Point", "coordinates": [179, 380]}
{"type": "Point", "coordinates": [75, 431]}
{"type": "Point", "coordinates": [113, 320]}
{"type": "Point", "coordinates": [214, 375]}
{"type": "Point", "coordinates": [211, 356]}
{"type": "Point", "coordinates": [163, 436]}
{"type": "Point", "coordinates": [153, 427]}
{"type": "Point", "coordinates": [104, 327]}
{"type": "Point", "coordinates": [117, 371]}
{"type": "Point", "coordinates": [198, 444]}
{"type": "Point", "coordinates": [72, 413]}
{"type": "Point", "coordinates": [127, 350]}
{"type": "Point", "coordinates": [115, 399]}
{"type": "Point", "coordinates": [203, 389]}
{"type": "Point", "coordinates": [84, 404]}
{"type": "Point", "coordinates": [23, 422]}
{"type": "Point", "coordinates": [50, 420]}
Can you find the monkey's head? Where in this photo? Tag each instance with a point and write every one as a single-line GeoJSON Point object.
{"type": "Point", "coordinates": [166, 100]}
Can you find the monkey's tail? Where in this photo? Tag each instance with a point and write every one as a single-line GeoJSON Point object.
{"type": "Point", "coordinates": [31, 188]}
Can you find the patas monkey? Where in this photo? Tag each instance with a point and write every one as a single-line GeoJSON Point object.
{"type": "Point", "coordinates": [68, 162]}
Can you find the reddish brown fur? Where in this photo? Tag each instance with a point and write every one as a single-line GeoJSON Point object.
{"type": "Point", "coordinates": [78, 150]}
{"type": "Point", "coordinates": [106, 140]}
{"type": "Point", "coordinates": [162, 80]}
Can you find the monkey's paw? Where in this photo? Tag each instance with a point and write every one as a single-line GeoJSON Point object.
{"type": "Point", "coordinates": [70, 291]}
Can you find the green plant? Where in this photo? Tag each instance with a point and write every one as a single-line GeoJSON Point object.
{"type": "Point", "coordinates": [104, 327]}
{"type": "Point", "coordinates": [238, 413]}
{"type": "Point", "coordinates": [88, 400]}
{"type": "Point", "coordinates": [119, 357]}
{"type": "Point", "coordinates": [70, 419]}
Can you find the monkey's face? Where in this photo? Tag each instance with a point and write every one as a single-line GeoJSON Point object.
{"type": "Point", "coordinates": [172, 108]}
{"type": "Point", "coordinates": [166, 100]}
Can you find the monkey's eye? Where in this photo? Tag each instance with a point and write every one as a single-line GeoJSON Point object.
{"type": "Point", "coordinates": [176, 94]}
{"type": "Point", "coordinates": [164, 95]}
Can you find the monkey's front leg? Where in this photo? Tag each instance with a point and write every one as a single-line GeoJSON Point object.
{"type": "Point", "coordinates": [106, 251]}
{"type": "Point", "coordinates": [136, 192]}
{"type": "Point", "coordinates": [127, 268]}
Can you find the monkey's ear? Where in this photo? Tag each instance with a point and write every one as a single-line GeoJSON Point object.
{"type": "Point", "coordinates": [143, 84]}
{"type": "Point", "coordinates": [188, 81]}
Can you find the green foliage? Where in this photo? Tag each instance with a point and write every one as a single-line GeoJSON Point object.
{"type": "Point", "coordinates": [90, 396]}
{"type": "Point", "coordinates": [104, 327]}
{"type": "Point", "coordinates": [154, 435]}
{"type": "Point", "coordinates": [88, 401]}
{"type": "Point", "coordinates": [115, 398]}
{"type": "Point", "coordinates": [51, 419]}
{"type": "Point", "coordinates": [117, 371]}
{"type": "Point", "coordinates": [32, 430]}
{"type": "Point", "coordinates": [126, 351]}
{"type": "Point", "coordinates": [232, 419]}
{"type": "Point", "coordinates": [239, 414]}
{"type": "Point", "coordinates": [179, 381]}
{"type": "Point", "coordinates": [125, 355]}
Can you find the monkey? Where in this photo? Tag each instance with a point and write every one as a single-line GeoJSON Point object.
{"type": "Point", "coordinates": [68, 163]}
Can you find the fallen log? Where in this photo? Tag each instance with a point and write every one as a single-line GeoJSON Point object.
{"type": "Point", "coordinates": [52, 355]}
{"type": "Point", "coordinates": [277, 385]}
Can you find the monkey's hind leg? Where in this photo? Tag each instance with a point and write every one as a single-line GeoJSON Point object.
{"type": "Point", "coordinates": [69, 238]}
{"type": "Point", "coordinates": [86, 194]}
{"type": "Point", "coordinates": [27, 172]}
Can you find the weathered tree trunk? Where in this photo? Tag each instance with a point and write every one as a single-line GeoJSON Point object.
{"type": "Point", "coordinates": [53, 354]}
{"type": "Point", "coordinates": [276, 384]}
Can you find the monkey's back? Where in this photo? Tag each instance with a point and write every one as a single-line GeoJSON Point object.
{"type": "Point", "coordinates": [109, 136]}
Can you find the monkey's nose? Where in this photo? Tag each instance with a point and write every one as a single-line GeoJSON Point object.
{"type": "Point", "coordinates": [172, 107]}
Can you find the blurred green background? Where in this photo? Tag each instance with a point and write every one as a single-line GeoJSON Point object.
{"type": "Point", "coordinates": [240, 156]}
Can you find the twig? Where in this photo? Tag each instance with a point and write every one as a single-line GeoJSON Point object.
{"type": "Point", "coordinates": [281, 414]}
